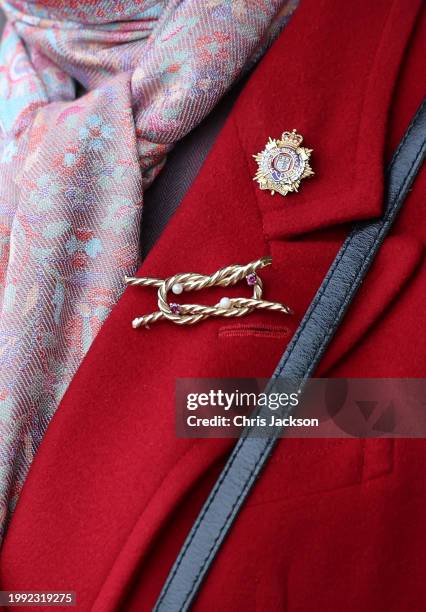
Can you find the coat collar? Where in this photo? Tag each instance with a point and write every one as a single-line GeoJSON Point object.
{"type": "Point", "coordinates": [331, 76]}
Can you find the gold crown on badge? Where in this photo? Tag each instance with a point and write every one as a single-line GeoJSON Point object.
{"type": "Point", "coordinates": [283, 163]}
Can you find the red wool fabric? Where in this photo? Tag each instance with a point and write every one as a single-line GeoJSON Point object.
{"type": "Point", "coordinates": [331, 524]}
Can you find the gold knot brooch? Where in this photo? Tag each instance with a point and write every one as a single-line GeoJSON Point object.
{"type": "Point", "coordinates": [188, 314]}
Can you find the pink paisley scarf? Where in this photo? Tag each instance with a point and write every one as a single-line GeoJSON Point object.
{"type": "Point", "coordinates": [93, 95]}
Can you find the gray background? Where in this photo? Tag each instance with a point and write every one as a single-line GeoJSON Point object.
{"type": "Point", "coordinates": [1, 21]}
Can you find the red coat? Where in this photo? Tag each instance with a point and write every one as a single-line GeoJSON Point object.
{"type": "Point", "coordinates": [331, 524]}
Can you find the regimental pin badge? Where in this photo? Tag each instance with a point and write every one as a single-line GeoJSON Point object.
{"type": "Point", "coordinates": [283, 164]}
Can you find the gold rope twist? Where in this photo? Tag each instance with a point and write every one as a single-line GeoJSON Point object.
{"type": "Point", "coordinates": [188, 314]}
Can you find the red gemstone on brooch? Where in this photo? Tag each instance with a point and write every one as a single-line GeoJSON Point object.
{"type": "Point", "coordinates": [251, 279]}
{"type": "Point", "coordinates": [175, 308]}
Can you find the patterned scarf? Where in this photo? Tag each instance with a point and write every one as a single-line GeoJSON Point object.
{"type": "Point", "coordinates": [93, 95]}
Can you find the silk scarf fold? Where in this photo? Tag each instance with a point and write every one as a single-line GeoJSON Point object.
{"type": "Point", "coordinates": [93, 95]}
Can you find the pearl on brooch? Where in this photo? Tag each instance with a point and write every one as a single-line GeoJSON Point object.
{"type": "Point", "coordinates": [177, 288]}
{"type": "Point", "coordinates": [225, 302]}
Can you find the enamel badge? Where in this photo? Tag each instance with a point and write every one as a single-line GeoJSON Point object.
{"type": "Point", "coordinates": [283, 164]}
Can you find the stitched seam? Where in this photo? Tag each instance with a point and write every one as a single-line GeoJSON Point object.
{"type": "Point", "coordinates": [253, 332]}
